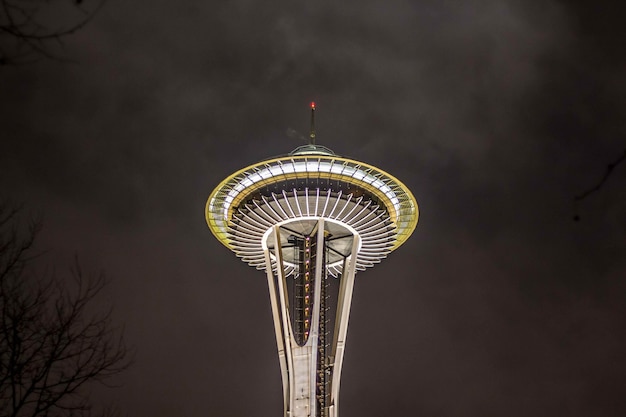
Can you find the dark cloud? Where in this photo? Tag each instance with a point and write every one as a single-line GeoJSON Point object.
{"type": "Point", "coordinates": [494, 113]}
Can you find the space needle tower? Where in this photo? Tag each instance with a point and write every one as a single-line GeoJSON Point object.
{"type": "Point", "coordinates": [311, 219]}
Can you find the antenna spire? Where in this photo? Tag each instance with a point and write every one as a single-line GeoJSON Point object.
{"type": "Point", "coordinates": [312, 135]}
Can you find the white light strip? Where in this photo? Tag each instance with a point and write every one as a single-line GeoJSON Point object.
{"type": "Point", "coordinates": [307, 166]}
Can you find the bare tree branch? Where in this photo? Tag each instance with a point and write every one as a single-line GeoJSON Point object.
{"type": "Point", "coordinates": [51, 344]}
{"type": "Point", "coordinates": [29, 29]}
{"type": "Point", "coordinates": [609, 170]}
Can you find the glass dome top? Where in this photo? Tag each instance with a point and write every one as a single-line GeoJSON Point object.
{"type": "Point", "coordinates": [311, 149]}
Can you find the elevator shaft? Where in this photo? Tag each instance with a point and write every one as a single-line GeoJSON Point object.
{"type": "Point", "coordinates": [310, 360]}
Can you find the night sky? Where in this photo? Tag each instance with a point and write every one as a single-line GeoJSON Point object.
{"type": "Point", "coordinates": [496, 114]}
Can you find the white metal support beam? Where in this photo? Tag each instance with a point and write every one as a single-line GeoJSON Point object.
{"type": "Point", "coordinates": [278, 329]}
{"type": "Point", "coordinates": [344, 302]}
{"type": "Point", "coordinates": [285, 321]}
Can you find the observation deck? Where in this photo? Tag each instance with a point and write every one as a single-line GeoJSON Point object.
{"type": "Point", "coordinates": [308, 183]}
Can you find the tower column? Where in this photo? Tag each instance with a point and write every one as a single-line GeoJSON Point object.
{"type": "Point", "coordinates": [278, 327]}
{"type": "Point", "coordinates": [308, 379]}
{"type": "Point", "coordinates": [298, 362]}
{"type": "Point", "coordinates": [346, 287]}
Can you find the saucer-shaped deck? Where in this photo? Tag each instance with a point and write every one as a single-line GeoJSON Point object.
{"type": "Point", "coordinates": [296, 190]}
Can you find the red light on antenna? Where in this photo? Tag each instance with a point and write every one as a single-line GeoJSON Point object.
{"type": "Point", "coordinates": [313, 105]}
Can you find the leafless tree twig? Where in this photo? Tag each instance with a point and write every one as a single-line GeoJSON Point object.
{"type": "Point", "coordinates": [29, 29]}
{"type": "Point", "coordinates": [52, 345]}
{"type": "Point", "coordinates": [609, 170]}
